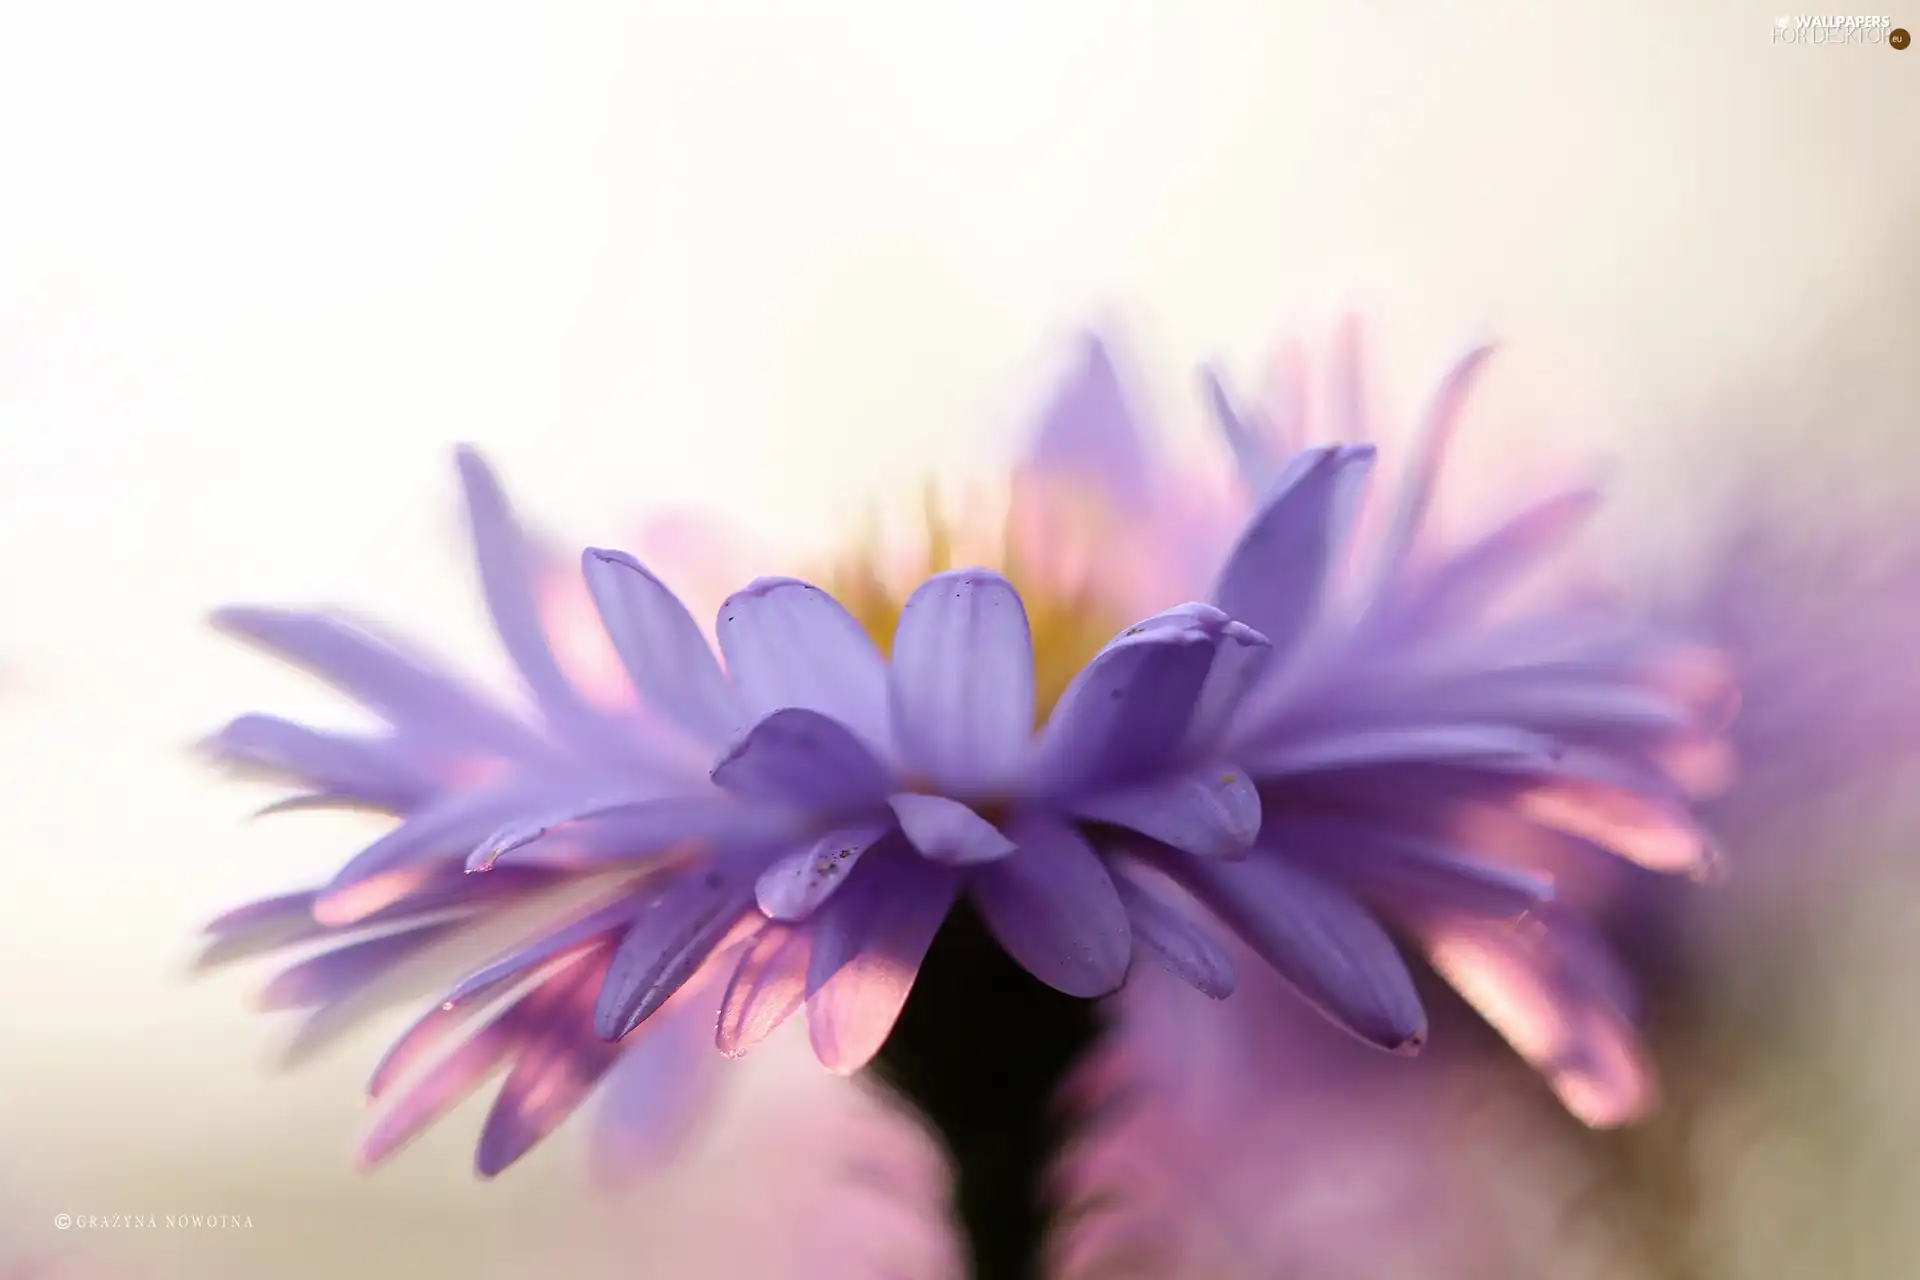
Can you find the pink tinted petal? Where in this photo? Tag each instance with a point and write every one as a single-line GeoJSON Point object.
{"type": "Point", "coordinates": [442, 830]}
{"type": "Point", "coordinates": [794, 887]}
{"type": "Point", "coordinates": [867, 947]}
{"type": "Point", "coordinates": [558, 1067]}
{"type": "Point", "coordinates": [790, 644]}
{"type": "Point", "coordinates": [1656, 835]}
{"type": "Point", "coordinates": [1564, 1026]}
{"type": "Point", "coordinates": [1054, 908]}
{"type": "Point", "coordinates": [669, 943]}
{"type": "Point", "coordinates": [802, 758]}
{"type": "Point", "coordinates": [661, 647]}
{"type": "Point", "coordinates": [335, 974]}
{"type": "Point", "coordinates": [948, 831]}
{"type": "Point", "coordinates": [1089, 435]}
{"type": "Point", "coordinates": [767, 986]}
{"type": "Point", "coordinates": [962, 680]}
{"type": "Point", "coordinates": [1211, 813]}
{"type": "Point", "coordinates": [1275, 579]}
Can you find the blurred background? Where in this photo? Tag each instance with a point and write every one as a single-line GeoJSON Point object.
{"type": "Point", "coordinates": [260, 266]}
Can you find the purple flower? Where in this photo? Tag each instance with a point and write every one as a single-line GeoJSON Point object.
{"type": "Point", "coordinates": [1424, 750]}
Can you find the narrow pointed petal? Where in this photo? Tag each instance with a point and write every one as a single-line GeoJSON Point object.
{"type": "Point", "coordinates": [451, 1079]}
{"type": "Point", "coordinates": [1431, 440]}
{"type": "Point", "coordinates": [556, 1070]}
{"type": "Point", "coordinates": [867, 947]}
{"type": "Point", "coordinates": [768, 985]}
{"type": "Point", "coordinates": [1088, 434]}
{"type": "Point", "coordinates": [962, 680]}
{"type": "Point", "coordinates": [668, 943]}
{"type": "Point", "coordinates": [1492, 748]}
{"type": "Point", "coordinates": [1460, 588]}
{"type": "Point", "coordinates": [1241, 656]}
{"type": "Point", "coordinates": [1253, 452]}
{"type": "Point", "coordinates": [948, 831]}
{"type": "Point", "coordinates": [402, 688]}
{"type": "Point", "coordinates": [367, 769]}
{"type": "Point", "coordinates": [1412, 874]}
{"type": "Point", "coordinates": [594, 930]}
{"type": "Point", "coordinates": [794, 887]}
{"type": "Point", "coordinates": [401, 859]}
{"type": "Point", "coordinates": [662, 647]}
{"type": "Point", "coordinates": [628, 830]}
{"type": "Point", "coordinates": [1276, 576]}
{"type": "Point", "coordinates": [790, 644]}
{"type": "Point", "coordinates": [1129, 710]}
{"type": "Point", "coordinates": [1659, 836]}
{"type": "Point", "coordinates": [1055, 909]}
{"type": "Point", "coordinates": [334, 975]}
{"type": "Point", "coordinates": [1323, 943]}
{"type": "Point", "coordinates": [1210, 813]}
{"type": "Point", "coordinates": [1555, 1015]}
{"type": "Point", "coordinates": [1182, 946]}
{"type": "Point", "coordinates": [507, 568]}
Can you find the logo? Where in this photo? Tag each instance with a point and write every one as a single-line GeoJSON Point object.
{"type": "Point", "coordinates": [1822, 30]}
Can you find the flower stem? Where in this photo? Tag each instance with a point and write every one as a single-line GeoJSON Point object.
{"type": "Point", "coordinates": [982, 1049]}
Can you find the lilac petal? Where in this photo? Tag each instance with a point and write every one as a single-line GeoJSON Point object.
{"type": "Point", "coordinates": [867, 947]}
{"type": "Point", "coordinates": [615, 831]}
{"type": "Point", "coordinates": [1055, 910]}
{"type": "Point", "coordinates": [1407, 872]}
{"type": "Point", "coordinates": [1329, 949]}
{"type": "Point", "coordinates": [1129, 710]}
{"type": "Point", "coordinates": [454, 1077]}
{"type": "Point", "coordinates": [507, 568]}
{"type": "Point", "coordinates": [1089, 435]}
{"type": "Point", "coordinates": [803, 758]}
{"type": "Point", "coordinates": [1491, 748]}
{"type": "Point", "coordinates": [790, 644]}
{"type": "Point", "coordinates": [1458, 589]}
{"type": "Point", "coordinates": [962, 680]}
{"type": "Point", "coordinates": [403, 689]}
{"type": "Point", "coordinates": [1430, 444]}
{"type": "Point", "coordinates": [444, 829]}
{"type": "Point", "coordinates": [1275, 578]}
{"type": "Point", "coordinates": [1549, 703]}
{"type": "Point", "coordinates": [767, 986]}
{"type": "Point", "coordinates": [1211, 813]}
{"type": "Point", "coordinates": [656, 1093]}
{"type": "Point", "coordinates": [948, 831]}
{"type": "Point", "coordinates": [557, 1069]}
{"type": "Point", "coordinates": [335, 974]}
{"type": "Point", "coordinates": [1240, 658]}
{"type": "Point", "coordinates": [364, 768]}
{"type": "Point", "coordinates": [267, 913]}
{"type": "Point", "coordinates": [794, 887]}
{"type": "Point", "coordinates": [1253, 452]}
{"type": "Point", "coordinates": [1181, 945]}
{"type": "Point", "coordinates": [667, 945]}
{"type": "Point", "coordinates": [597, 927]}
{"type": "Point", "coordinates": [661, 646]}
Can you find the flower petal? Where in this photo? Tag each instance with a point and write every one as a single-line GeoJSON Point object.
{"type": "Point", "coordinates": [1089, 435]}
{"type": "Point", "coordinates": [790, 644]}
{"type": "Point", "coordinates": [962, 680]}
{"type": "Point", "coordinates": [618, 831]}
{"type": "Point", "coordinates": [662, 647]}
{"type": "Point", "coordinates": [1461, 587]}
{"type": "Point", "coordinates": [1492, 748]}
{"type": "Point", "coordinates": [1430, 443]}
{"type": "Point", "coordinates": [334, 975]}
{"type": "Point", "coordinates": [1054, 908]}
{"type": "Point", "coordinates": [597, 928]}
{"type": "Point", "coordinates": [1275, 578]}
{"type": "Point", "coordinates": [655, 1094]}
{"type": "Point", "coordinates": [1128, 712]}
{"type": "Point", "coordinates": [363, 768]}
{"type": "Point", "coordinates": [1211, 813]}
{"type": "Point", "coordinates": [794, 887]}
{"type": "Point", "coordinates": [948, 831]}
{"type": "Point", "coordinates": [1407, 873]}
{"type": "Point", "coordinates": [558, 1067]}
{"type": "Point", "coordinates": [1253, 446]}
{"type": "Point", "coordinates": [800, 757]}
{"type": "Point", "coordinates": [1180, 944]}
{"type": "Point", "coordinates": [404, 689]}
{"type": "Point", "coordinates": [768, 985]}
{"type": "Point", "coordinates": [507, 574]}
{"type": "Point", "coordinates": [868, 943]}
{"type": "Point", "coordinates": [668, 943]}
{"type": "Point", "coordinates": [1241, 655]}
{"type": "Point", "coordinates": [1323, 943]}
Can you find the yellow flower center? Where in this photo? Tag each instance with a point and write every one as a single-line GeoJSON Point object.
{"type": "Point", "coordinates": [1069, 622]}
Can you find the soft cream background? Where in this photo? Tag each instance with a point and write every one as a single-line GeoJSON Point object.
{"type": "Point", "coordinates": [261, 264]}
